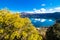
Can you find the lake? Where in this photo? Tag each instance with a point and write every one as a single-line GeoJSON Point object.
{"type": "Point", "coordinates": [42, 20]}
{"type": "Point", "coordinates": [37, 22]}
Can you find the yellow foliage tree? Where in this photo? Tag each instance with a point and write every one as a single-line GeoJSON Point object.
{"type": "Point", "coordinates": [13, 27]}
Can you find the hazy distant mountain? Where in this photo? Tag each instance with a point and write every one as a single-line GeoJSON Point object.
{"type": "Point", "coordinates": [55, 15]}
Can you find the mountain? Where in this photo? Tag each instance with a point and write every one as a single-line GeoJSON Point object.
{"type": "Point", "coordinates": [55, 15]}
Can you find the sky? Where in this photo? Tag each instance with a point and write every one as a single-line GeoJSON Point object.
{"type": "Point", "coordinates": [38, 6]}
{"type": "Point", "coordinates": [32, 6]}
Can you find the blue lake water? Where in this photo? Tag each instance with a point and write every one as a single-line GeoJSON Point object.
{"type": "Point", "coordinates": [37, 22]}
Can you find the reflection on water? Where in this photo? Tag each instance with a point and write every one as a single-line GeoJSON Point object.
{"type": "Point", "coordinates": [42, 22]}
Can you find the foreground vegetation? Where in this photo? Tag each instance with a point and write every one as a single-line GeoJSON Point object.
{"type": "Point", "coordinates": [13, 27]}
{"type": "Point", "coordinates": [53, 33]}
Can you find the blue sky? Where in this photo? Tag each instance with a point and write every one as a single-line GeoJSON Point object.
{"type": "Point", "coordinates": [29, 5]}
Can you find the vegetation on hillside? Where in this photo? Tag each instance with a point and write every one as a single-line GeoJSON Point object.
{"type": "Point", "coordinates": [13, 27]}
{"type": "Point", "coordinates": [53, 33]}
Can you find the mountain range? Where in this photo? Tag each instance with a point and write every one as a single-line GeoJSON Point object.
{"type": "Point", "coordinates": [55, 15]}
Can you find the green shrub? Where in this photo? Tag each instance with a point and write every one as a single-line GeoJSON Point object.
{"type": "Point", "coordinates": [53, 33]}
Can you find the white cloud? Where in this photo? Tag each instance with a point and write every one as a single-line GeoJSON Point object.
{"type": "Point", "coordinates": [42, 4]}
{"type": "Point", "coordinates": [57, 9]}
{"type": "Point", "coordinates": [50, 20]}
{"type": "Point", "coordinates": [29, 12]}
{"type": "Point", "coordinates": [37, 11]}
{"type": "Point", "coordinates": [43, 10]}
{"type": "Point", "coordinates": [43, 20]}
{"type": "Point", "coordinates": [51, 9]}
{"type": "Point", "coordinates": [37, 19]}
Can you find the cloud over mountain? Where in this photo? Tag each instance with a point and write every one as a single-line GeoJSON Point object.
{"type": "Point", "coordinates": [43, 10]}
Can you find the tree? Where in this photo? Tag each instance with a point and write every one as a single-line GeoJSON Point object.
{"type": "Point", "coordinates": [53, 33]}
{"type": "Point", "coordinates": [13, 27]}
